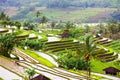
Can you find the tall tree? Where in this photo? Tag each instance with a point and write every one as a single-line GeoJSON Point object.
{"type": "Point", "coordinates": [69, 25]}
{"type": "Point", "coordinates": [3, 16]}
{"type": "Point", "coordinates": [17, 24]}
{"type": "Point", "coordinates": [89, 48]}
{"type": "Point", "coordinates": [38, 14]}
{"type": "Point", "coordinates": [43, 20]}
{"type": "Point", "coordinates": [53, 25]}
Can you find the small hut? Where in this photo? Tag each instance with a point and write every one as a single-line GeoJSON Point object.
{"type": "Point", "coordinates": [40, 77]}
{"type": "Point", "coordinates": [25, 28]}
{"type": "Point", "coordinates": [111, 70]}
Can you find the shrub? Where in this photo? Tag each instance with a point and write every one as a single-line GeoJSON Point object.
{"type": "Point", "coordinates": [33, 44]}
{"type": "Point", "coordinates": [71, 60]}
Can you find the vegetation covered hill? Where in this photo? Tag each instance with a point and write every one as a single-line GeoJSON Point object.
{"type": "Point", "coordinates": [55, 9]}
{"type": "Point", "coordinates": [61, 3]}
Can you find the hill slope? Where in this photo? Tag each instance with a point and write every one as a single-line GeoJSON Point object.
{"type": "Point", "coordinates": [62, 10]}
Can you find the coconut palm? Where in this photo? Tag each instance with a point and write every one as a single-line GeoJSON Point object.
{"type": "Point", "coordinates": [43, 20]}
{"type": "Point", "coordinates": [53, 25]}
{"type": "Point", "coordinates": [3, 16]}
{"type": "Point", "coordinates": [89, 48]}
{"type": "Point", "coordinates": [17, 24]}
{"type": "Point", "coordinates": [69, 25]}
{"type": "Point", "coordinates": [38, 14]}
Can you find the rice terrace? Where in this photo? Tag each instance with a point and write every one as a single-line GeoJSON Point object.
{"type": "Point", "coordinates": [59, 40]}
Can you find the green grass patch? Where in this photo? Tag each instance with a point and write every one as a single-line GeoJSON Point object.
{"type": "Point", "coordinates": [54, 32]}
{"type": "Point", "coordinates": [115, 45]}
{"type": "Point", "coordinates": [98, 66]}
{"type": "Point", "coordinates": [38, 57]}
{"type": "Point", "coordinates": [1, 79]}
{"type": "Point", "coordinates": [21, 32]}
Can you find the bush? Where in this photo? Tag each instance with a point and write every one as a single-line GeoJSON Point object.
{"type": "Point", "coordinates": [76, 32]}
{"type": "Point", "coordinates": [71, 60]}
{"type": "Point", "coordinates": [33, 44]}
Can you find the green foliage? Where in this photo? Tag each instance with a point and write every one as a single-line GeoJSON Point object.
{"type": "Point", "coordinates": [38, 14]}
{"type": "Point", "coordinates": [30, 25]}
{"type": "Point", "coordinates": [114, 26]}
{"type": "Point", "coordinates": [87, 28]}
{"type": "Point", "coordinates": [82, 3]}
{"type": "Point", "coordinates": [60, 26]}
{"type": "Point", "coordinates": [117, 63]}
{"type": "Point", "coordinates": [7, 42]}
{"type": "Point", "coordinates": [77, 32]}
{"type": "Point", "coordinates": [3, 16]}
{"type": "Point", "coordinates": [58, 4]}
{"type": "Point", "coordinates": [33, 44]}
{"type": "Point", "coordinates": [11, 23]}
{"type": "Point", "coordinates": [98, 66]}
{"type": "Point", "coordinates": [71, 60]}
{"type": "Point", "coordinates": [1, 79]}
{"type": "Point", "coordinates": [31, 73]}
{"type": "Point", "coordinates": [115, 45]}
{"type": "Point", "coordinates": [5, 22]}
{"type": "Point", "coordinates": [43, 19]}
{"type": "Point", "coordinates": [69, 25]}
{"type": "Point", "coordinates": [62, 3]}
{"type": "Point", "coordinates": [17, 24]}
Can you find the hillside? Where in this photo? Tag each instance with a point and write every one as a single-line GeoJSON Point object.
{"type": "Point", "coordinates": [55, 9]}
{"type": "Point", "coordinates": [61, 3]}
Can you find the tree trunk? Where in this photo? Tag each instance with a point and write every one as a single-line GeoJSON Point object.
{"type": "Point", "coordinates": [88, 72]}
{"type": "Point", "coordinates": [29, 77]}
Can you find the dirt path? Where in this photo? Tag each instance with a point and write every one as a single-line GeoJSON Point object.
{"type": "Point", "coordinates": [11, 66]}
{"type": "Point", "coordinates": [25, 56]}
{"type": "Point", "coordinates": [7, 75]}
{"type": "Point", "coordinates": [51, 73]}
{"type": "Point", "coordinates": [46, 56]}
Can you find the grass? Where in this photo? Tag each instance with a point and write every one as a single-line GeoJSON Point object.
{"type": "Point", "coordinates": [115, 45]}
{"type": "Point", "coordinates": [21, 32]}
{"type": "Point", "coordinates": [38, 57]}
{"type": "Point", "coordinates": [98, 66]}
{"type": "Point", "coordinates": [1, 79]}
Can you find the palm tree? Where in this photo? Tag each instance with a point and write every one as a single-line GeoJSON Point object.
{"type": "Point", "coordinates": [7, 42]}
{"type": "Point", "coordinates": [17, 24]}
{"type": "Point", "coordinates": [53, 25]}
{"type": "Point", "coordinates": [69, 25]}
{"type": "Point", "coordinates": [38, 14]}
{"type": "Point", "coordinates": [89, 48]}
{"type": "Point", "coordinates": [31, 73]}
{"type": "Point", "coordinates": [3, 16]}
{"type": "Point", "coordinates": [43, 20]}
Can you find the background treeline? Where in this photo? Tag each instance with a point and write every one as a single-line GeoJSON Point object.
{"type": "Point", "coordinates": [26, 9]}
{"type": "Point", "coordinates": [61, 3]}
